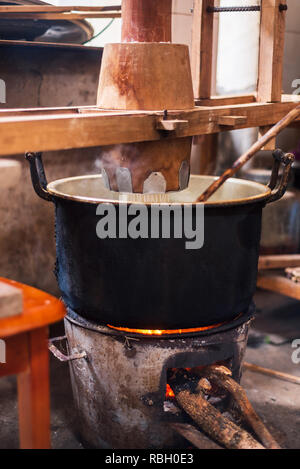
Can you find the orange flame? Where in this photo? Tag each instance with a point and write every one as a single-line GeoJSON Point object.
{"type": "Point", "coordinates": [159, 332]}
{"type": "Point", "coordinates": [169, 392]}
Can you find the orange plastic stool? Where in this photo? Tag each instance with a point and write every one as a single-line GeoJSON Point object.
{"type": "Point", "coordinates": [26, 344]}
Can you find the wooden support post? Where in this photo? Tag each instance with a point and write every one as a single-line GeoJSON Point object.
{"type": "Point", "coordinates": [202, 48]}
{"type": "Point", "coordinates": [209, 154]}
{"type": "Point", "coordinates": [272, 30]}
{"type": "Point", "coordinates": [33, 394]}
{"type": "Point", "coordinates": [271, 145]}
{"type": "Point", "coordinates": [146, 20]}
{"type": "Point", "coordinates": [203, 63]}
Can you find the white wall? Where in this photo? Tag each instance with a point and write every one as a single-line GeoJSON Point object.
{"type": "Point", "coordinates": [238, 47]}
{"type": "Point", "coordinates": [182, 22]}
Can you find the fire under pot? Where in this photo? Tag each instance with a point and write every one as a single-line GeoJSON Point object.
{"type": "Point", "coordinates": [119, 379]}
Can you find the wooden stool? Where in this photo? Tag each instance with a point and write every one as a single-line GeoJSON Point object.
{"type": "Point", "coordinates": [26, 342]}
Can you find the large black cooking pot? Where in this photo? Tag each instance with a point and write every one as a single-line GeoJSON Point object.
{"type": "Point", "coordinates": [158, 283]}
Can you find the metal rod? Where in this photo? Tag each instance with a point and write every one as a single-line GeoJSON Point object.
{"type": "Point", "coordinates": [282, 7]}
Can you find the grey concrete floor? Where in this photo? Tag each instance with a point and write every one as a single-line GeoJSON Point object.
{"type": "Point", "coordinates": [277, 402]}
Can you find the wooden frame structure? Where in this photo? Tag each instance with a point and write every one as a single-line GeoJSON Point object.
{"type": "Point", "coordinates": [65, 128]}
{"type": "Point", "coordinates": [46, 129]}
{"type": "Point", "coordinates": [271, 49]}
{"type": "Point", "coordinates": [272, 30]}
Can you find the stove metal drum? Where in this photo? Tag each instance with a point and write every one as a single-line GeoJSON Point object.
{"type": "Point", "coordinates": [119, 386]}
{"type": "Point", "coordinates": [157, 283]}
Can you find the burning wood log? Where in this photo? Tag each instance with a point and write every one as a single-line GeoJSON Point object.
{"type": "Point", "coordinates": [194, 436]}
{"type": "Point", "coordinates": [219, 376]}
{"type": "Point", "coordinates": [190, 395]}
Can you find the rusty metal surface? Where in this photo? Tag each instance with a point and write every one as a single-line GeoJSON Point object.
{"type": "Point", "coordinates": [134, 334]}
{"type": "Point", "coordinates": [120, 389]}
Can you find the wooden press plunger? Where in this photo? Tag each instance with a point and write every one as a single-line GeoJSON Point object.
{"type": "Point", "coordinates": [139, 74]}
{"type": "Point", "coordinates": [146, 20]}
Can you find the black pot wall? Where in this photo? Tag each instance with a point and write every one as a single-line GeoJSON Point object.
{"type": "Point", "coordinates": [157, 283]}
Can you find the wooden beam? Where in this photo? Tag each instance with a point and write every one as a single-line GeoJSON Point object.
{"type": "Point", "coordinates": [272, 30]}
{"type": "Point", "coordinates": [54, 9]}
{"type": "Point", "coordinates": [279, 262]}
{"type": "Point", "coordinates": [61, 131]}
{"type": "Point", "coordinates": [231, 121]}
{"type": "Point", "coordinates": [202, 48]}
{"type": "Point", "coordinates": [213, 101]}
{"type": "Point", "coordinates": [45, 45]}
{"type": "Point", "coordinates": [67, 16]}
{"type": "Point", "coordinates": [226, 100]}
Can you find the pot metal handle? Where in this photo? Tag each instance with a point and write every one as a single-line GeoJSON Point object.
{"type": "Point", "coordinates": [287, 160]}
{"type": "Point", "coordinates": [60, 355]}
{"type": "Point", "coordinates": [38, 176]}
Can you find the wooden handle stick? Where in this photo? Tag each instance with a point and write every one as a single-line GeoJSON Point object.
{"type": "Point", "coordinates": [258, 145]}
{"type": "Point", "coordinates": [272, 373]}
